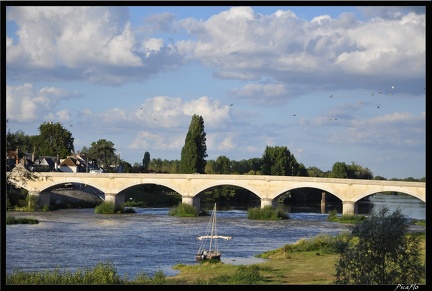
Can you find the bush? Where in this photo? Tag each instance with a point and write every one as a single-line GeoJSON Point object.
{"type": "Point", "coordinates": [345, 218]}
{"type": "Point", "coordinates": [266, 213]}
{"type": "Point", "coordinates": [108, 207]}
{"type": "Point", "coordinates": [184, 210]}
{"type": "Point", "coordinates": [381, 252]}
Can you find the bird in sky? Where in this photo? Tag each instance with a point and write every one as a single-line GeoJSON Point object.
{"type": "Point", "coordinates": [331, 96]}
{"type": "Point", "coordinates": [231, 104]}
{"type": "Point", "coordinates": [393, 87]}
{"type": "Point", "coordinates": [378, 106]}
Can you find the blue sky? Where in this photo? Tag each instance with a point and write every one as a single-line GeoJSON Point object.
{"type": "Point", "coordinates": [331, 83]}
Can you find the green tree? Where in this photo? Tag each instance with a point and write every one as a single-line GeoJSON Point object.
{"type": "Point", "coordinates": [358, 172]}
{"type": "Point", "coordinates": [222, 165]}
{"type": "Point", "coordinates": [53, 140]}
{"type": "Point", "coordinates": [279, 161]}
{"type": "Point", "coordinates": [194, 151]}
{"type": "Point", "coordinates": [146, 161]}
{"type": "Point", "coordinates": [339, 170]}
{"type": "Point", "coordinates": [381, 251]}
{"type": "Point", "coordinates": [102, 153]}
{"type": "Point", "coordinates": [18, 140]}
{"type": "Point", "coordinates": [315, 172]}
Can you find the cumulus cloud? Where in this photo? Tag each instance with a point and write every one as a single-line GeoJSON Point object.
{"type": "Point", "coordinates": [82, 42]}
{"type": "Point", "coordinates": [25, 104]}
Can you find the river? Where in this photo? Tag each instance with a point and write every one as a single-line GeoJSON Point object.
{"type": "Point", "coordinates": [151, 240]}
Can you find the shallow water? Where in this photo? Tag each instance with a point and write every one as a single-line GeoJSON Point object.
{"type": "Point", "coordinates": [151, 240]}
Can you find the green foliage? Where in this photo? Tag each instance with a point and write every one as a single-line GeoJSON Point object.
{"type": "Point", "coordinates": [381, 251]}
{"type": "Point", "coordinates": [102, 152]}
{"type": "Point", "coordinates": [339, 170]}
{"type": "Point", "coordinates": [13, 220]}
{"type": "Point", "coordinates": [184, 210]}
{"type": "Point", "coordinates": [108, 207]}
{"type": "Point", "coordinates": [102, 273]}
{"type": "Point", "coordinates": [244, 275]}
{"type": "Point", "coordinates": [279, 161]}
{"type": "Point", "coordinates": [345, 218]}
{"type": "Point", "coordinates": [194, 151]}
{"type": "Point", "coordinates": [322, 243]}
{"type": "Point", "coordinates": [146, 161]}
{"type": "Point", "coordinates": [222, 165]}
{"type": "Point", "coordinates": [53, 140]}
{"type": "Point", "coordinates": [266, 213]}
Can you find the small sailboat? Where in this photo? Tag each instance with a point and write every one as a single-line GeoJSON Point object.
{"type": "Point", "coordinates": [208, 248]}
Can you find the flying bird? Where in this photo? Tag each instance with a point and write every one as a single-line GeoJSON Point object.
{"type": "Point", "coordinates": [231, 104]}
{"type": "Point", "coordinates": [331, 96]}
{"type": "Point", "coordinates": [393, 87]}
{"type": "Point", "coordinates": [378, 106]}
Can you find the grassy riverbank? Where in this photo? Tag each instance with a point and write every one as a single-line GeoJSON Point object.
{"type": "Point", "coordinates": [284, 266]}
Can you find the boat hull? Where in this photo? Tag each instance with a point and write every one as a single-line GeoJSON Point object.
{"type": "Point", "coordinates": [211, 256]}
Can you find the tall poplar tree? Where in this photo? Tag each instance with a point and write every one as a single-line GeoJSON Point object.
{"type": "Point", "coordinates": [194, 151]}
{"type": "Point", "coordinates": [146, 161]}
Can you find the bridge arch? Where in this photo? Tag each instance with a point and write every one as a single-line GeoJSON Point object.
{"type": "Point", "coordinates": [398, 189]}
{"type": "Point", "coordinates": [162, 183]}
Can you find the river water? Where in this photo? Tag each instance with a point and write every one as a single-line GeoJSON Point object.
{"type": "Point", "coordinates": [151, 240]}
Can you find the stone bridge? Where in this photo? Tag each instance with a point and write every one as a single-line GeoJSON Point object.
{"type": "Point", "coordinates": [267, 188]}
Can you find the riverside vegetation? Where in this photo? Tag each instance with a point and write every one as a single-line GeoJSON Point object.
{"type": "Point", "coordinates": [308, 261]}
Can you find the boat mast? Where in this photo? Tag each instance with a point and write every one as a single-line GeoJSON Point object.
{"type": "Point", "coordinates": [213, 229]}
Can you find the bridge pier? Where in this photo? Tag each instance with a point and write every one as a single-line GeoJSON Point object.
{"type": "Point", "coordinates": [323, 202]}
{"type": "Point", "coordinates": [117, 199]}
{"type": "Point", "coordinates": [194, 201]}
{"type": "Point", "coordinates": [267, 202]}
{"type": "Point", "coordinates": [349, 207]}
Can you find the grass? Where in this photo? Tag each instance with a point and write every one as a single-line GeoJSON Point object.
{"type": "Point", "coordinates": [13, 220]}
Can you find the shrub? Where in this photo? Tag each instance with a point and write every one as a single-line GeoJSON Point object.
{"type": "Point", "coordinates": [184, 210]}
{"type": "Point", "coordinates": [108, 207]}
{"type": "Point", "coordinates": [266, 213]}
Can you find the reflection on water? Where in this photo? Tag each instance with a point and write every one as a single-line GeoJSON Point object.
{"type": "Point", "coordinates": [151, 240]}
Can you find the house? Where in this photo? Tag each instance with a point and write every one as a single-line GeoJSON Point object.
{"type": "Point", "coordinates": [12, 159]}
{"type": "Point", "coordinates": [68, 165]}
{"type": "Point", "coordinates": [44, 164]}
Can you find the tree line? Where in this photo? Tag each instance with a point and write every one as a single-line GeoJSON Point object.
{"type": "Point", "coordinates": [57, 141]}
